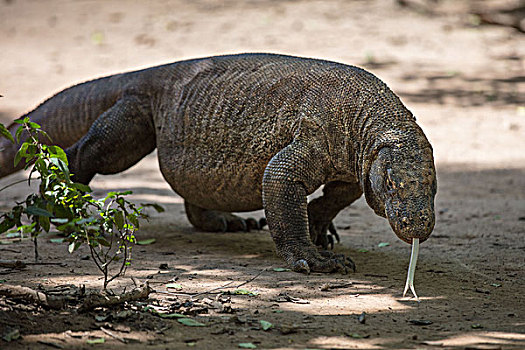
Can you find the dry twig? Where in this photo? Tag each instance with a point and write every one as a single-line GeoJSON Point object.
{"type": "Point", "coordinates": [213, 290]}
{"type": "Point", "coordinates": [99, 300]}
{"type": "Point", "coordinates": [32, 296]}
{"type": "Point", "coordinates": [113, 335]}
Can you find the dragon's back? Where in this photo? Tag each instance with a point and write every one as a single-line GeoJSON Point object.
{"type": "Point", "coordinates": [219, 129]}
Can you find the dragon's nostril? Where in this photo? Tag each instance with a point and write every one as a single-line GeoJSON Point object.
{"type": "Point", "coordinates": [404, 222]}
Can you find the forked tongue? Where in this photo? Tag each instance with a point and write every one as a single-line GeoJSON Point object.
{"type": "Point", "coordinates": [412, 268]}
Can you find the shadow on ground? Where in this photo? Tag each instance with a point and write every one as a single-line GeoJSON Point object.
{"type": "Point", "coordinates": [469, 277]}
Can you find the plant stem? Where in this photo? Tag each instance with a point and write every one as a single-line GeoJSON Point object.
{"type": "Point", "coordinates": [35, 244]}
{"type": "Point", "coordinates": [12, 184]}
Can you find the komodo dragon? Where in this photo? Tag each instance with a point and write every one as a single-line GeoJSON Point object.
{"type": "Point", "coordinates": [244, 132]}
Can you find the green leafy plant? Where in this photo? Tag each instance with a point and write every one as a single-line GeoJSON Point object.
{"type": "Point", "coordinates": [107, 225]}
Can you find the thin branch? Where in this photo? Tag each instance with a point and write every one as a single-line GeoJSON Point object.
{"type": "Point", "coordinates": [210, 291]}
{"type": "Point", "coordinates": [35, 243]}
{"type": "Point", "coordinates": [113, 335]}
{"type": "Point", "coordinates": [251, 279]}
{"type": "Point", "coordinates": [12, 184]}
{"type": "Point", "coordinates": [18, 264]}
{"type": "Point", "coordinates": [93, 257]}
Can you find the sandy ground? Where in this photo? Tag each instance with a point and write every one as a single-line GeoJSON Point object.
{"type": "Point", "coordinates": [465, 83]}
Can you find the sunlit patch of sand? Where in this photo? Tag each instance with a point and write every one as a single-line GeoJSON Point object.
{"type": "Point", "coordinates": [353, 303]}
{"type": "Point", "coordinates": [482, 338]}
{"type": "Point", "coordinates": [340, 342]}
{"type": "Point", "coordinates": [78, 339]}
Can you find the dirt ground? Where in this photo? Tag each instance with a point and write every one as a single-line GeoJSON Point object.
{"type": "Point", "coordinates": [465, 82]}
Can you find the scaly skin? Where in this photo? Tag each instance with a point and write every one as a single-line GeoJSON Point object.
{"type": "Point", "coordinates": [244, 132]}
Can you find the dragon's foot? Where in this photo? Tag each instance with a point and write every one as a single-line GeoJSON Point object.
{"type": "Point", "coordinates": [323, 233]}
{"type": "Point", "coordinates": [323, 261]}
{"type": "Point", "coordinates": [219, 221]}
{"type": "Point", "coordinates": [344, 262]}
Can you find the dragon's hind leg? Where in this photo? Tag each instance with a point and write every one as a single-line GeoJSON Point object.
{"type": "Point", "coordinates": [322, 210]}
{"type": "Point", "coordinates": [218, 221]}
{"type": "Point", "coordinates": [118, 139]}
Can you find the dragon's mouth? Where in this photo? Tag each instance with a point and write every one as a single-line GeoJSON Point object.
{"type": "Point", "coordinates": [410, 240]}
{"type": "Point", "coordinates": [409, 226]}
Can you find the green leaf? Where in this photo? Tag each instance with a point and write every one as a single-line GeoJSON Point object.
{"type": "Point", "coordinates": [101, 318]}
{"type": "Point", "coordinates": [6, 225]}
{"type": "Point", "coordinates": [57, 240]}
{"type": "Point", "coordinates": [146, 241]}
{"type": "Point", "coordinates": [133, 219]}
{"type": "Point", "coordinates": [11, 335]}
{"type": "Point", "coordinates": [280, 269]}
{"type": "Point", "coordinates": [119, 220]}
{"type": "Point", "coordinates": [265, 325]}
{"type": "Point", "coordinates": [85, 221]}
{"type": "Point", "coordinates": [43, 133]}
{"type": "Point", "coordinates": [174, 286]}
{"type": "Point", "coordinates": [244, 292]}
{"type": "Point", "coordinates": [157, 207]}
{"type": "Point", "coordinates": [30, 150]}
{"type": "Point", "coordinates": [247, 346]}
{"type": "Point", "coordinates": [22, 120]}
{"type": "Point", "coordinates": [33, 125]}
{"type": "Point", "coordinates": [103, 242]}
{"type": "Point", "coordinates": [362, 250]}
{"type": "Point", "coordinates": [356, 335]}
{"type": "Point", "coordinates": [18, 156]}
{"type": "Point", "coordinates": [44, 222]}
{"type": "Point", "coordinates": [111, 194]}
{"type": "Point", "coordinates": [59, 220]}
{"type": "Point", "coordinates": [121, 202]}
{"type": "Point", "coordinates": [5, 133]}
{"type": "Point", "coordinates": [174, 315]}
{"type": "Point", "coordinates": [190, 322]}
{"type": "Point", "coordinates": [383, 244]}
{"type": "Point", "coordinates": [61, 165]}
{"type": "Point", "coordinates": [58, 152]}
{"type": "Point", "coordinates": [18, 132]}
{"type": "Point", "coordinates": [476, 326]}
{"type": "Point", "coordinates": [23, 148]}
{"type": "Point", "coordinates": [96, 341]}
{"type": "Point", "coordinates": [36, 211]}
{"type": "Point", "coordinates": [82, 187]}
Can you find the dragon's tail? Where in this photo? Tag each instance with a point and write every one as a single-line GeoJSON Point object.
{"type": "Point", "coordinates": [66, 116]}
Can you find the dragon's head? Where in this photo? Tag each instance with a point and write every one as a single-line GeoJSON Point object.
{"type": "Point", "coordinates": [402, 189]}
